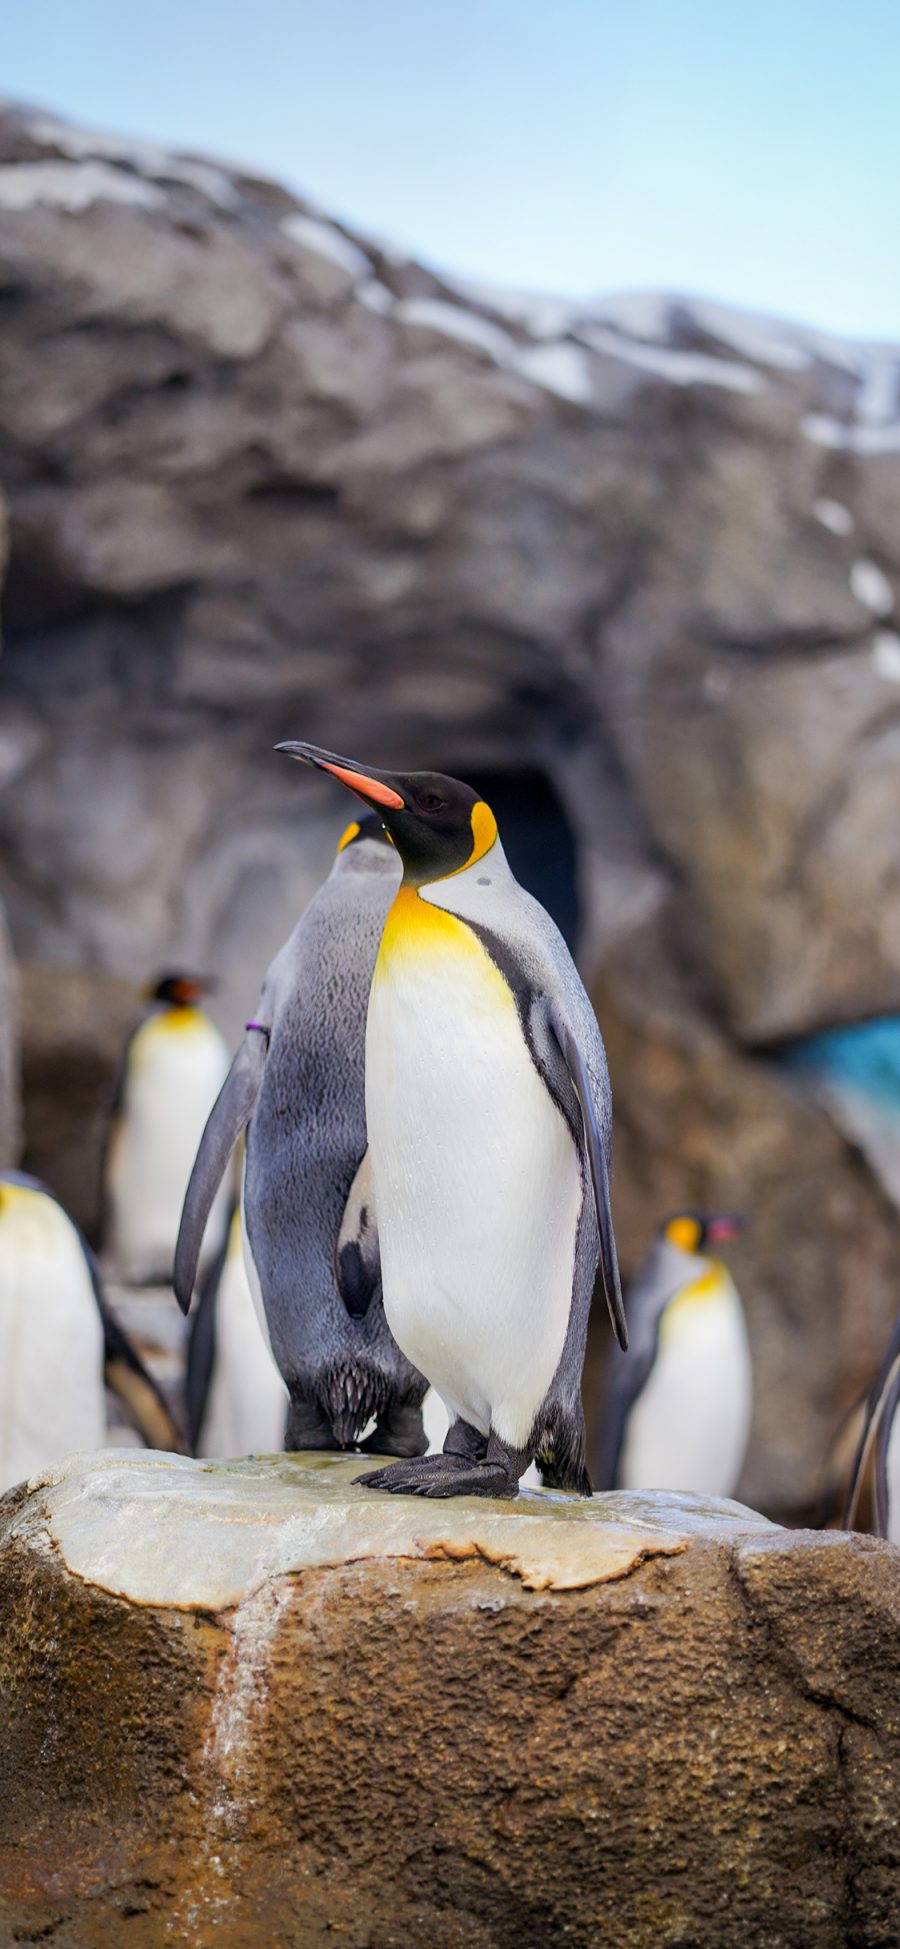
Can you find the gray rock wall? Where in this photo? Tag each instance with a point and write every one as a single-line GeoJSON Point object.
{"type": "Point", "coordinates": [268, 479]}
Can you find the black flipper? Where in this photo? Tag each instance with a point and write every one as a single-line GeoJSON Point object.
{"type": "Point", "coordinates": [230, 1113]}
{"type": "Point", "coordinates": [882, 1403]}
{"type": "Point", "coordinates": [201, 1352]}
{"type": "Point", "coordinates": [581, 1083]}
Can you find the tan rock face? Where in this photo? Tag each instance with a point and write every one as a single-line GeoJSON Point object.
{"type": "Point", "coordinates": [698, 1744]}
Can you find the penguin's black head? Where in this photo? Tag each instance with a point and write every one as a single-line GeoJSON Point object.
{"type": "Point", "coordinates": [181, 991]}
{"type": "Point", "coordinates": [694, 1230]}
{"type": "Point", "coordinates": [438, 825]}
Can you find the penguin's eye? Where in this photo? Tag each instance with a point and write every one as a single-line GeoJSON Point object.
{"type": "Point", "coordinates": [430, 802]}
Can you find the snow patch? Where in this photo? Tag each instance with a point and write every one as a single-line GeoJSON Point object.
{"type": "Point", "coordinates": [324, 241]}
{"type": "Point", "coordinates": [886, 655]}
{"type": "Point", "coordinates": [562, 369]}
{"type": "Point", "coordinates": [466, 327]}
{"type": "Point", "coordinates": [680, 368]}
{"type": "Point", "coordinates": [542, 315]}
{"type": "Point", "coordinates": [72, 186]}
{"type": "Point", "coordinates": [763, 340]}
{"type": "Point", "coordinates": [148, 158]}
{"type": "Point", "coordinates": [871, 587]}
{"type": "Point", "coordinates": [833, 515]}
{"type": "Point", "coordinates": [375, 294]}
{"type": "Point", "coordinates": [849, 436]}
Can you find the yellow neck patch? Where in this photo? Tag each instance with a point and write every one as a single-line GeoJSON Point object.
{"type": "Point", "coordinates": [347, 835]}
{"type": "Point", "coordinates": [710, 1289]}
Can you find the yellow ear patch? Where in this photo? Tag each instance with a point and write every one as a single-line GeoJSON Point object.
{"type": "Point", "coordinates": [684, 1232]}
{"type": "Point", "coordinates": [484, 832]}
{"type": "Point", "coordinates": [350, 832]}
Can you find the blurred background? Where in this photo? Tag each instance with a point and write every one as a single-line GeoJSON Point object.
{"type": "Point", "coordinates": [510, 390]}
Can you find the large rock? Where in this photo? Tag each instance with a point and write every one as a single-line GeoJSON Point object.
{"type": "Point", "coordinates": [267, 477]}
{"type": "Point", "coordinates": [250, 1703]}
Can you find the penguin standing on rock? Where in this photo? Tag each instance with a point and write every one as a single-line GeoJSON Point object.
{"type": "Point", "coordinates": [310, 1231]}
{"type": "Point", "coordinates": [59, 1342]}
{"type": "Point", "coordinates": [676, 1413]}
{"type": "Point", "coordinates": [489, 1118]}
{"type": "Point", "coordinates": [173, 1069]}
{"type": "Point", "coordinates": [879, 1449]}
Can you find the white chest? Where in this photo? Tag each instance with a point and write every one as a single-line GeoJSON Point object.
{"type": "Point", "coordinates": [477, 1181]}
{"type": "Point", "coordinates": [173, 1080]}
{"type": "Point", "coordinates": [688, 1428]}
{"type": "Point", "coordinates": [51, 1341]}
{"type": "Point", "coordinates": [248, 1400]}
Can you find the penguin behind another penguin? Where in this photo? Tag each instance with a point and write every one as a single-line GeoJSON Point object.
{"type": "Point", "coordinates": [173, 1068]}
{"type": "Point", "coordinates": [310, 1228]}
{"type": "Point", "coordinates": [676, 1414]}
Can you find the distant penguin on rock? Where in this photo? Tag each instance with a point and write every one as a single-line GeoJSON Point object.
{"type": "Point", "coordinates": [237, 1401]}
{"type": "Point", "coordinates": [59, 1342]}
{"type": "Point", "coordinates": [878, 1452]}
{"type": "Point", "coordinates": [676, 1413]}
{"type": "Point", "coordinates": [310, 1226]}
{"type": "Point", "coordinates": [489, 1119]}
{"type": "Point", "coordinates": [173, 1068]}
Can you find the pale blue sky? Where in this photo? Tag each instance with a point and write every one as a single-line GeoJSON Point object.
{"type": "Point", "coordinates": [750, 152]}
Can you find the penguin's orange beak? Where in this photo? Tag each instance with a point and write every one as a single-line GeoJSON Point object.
{"type": "Point", "coordinates": [375, 787]}
{"type": "Point", "coordinates": [724, 1226]}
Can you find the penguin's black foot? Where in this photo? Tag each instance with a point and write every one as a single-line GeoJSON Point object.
{"type": "Point", "coordinates": [487, 1478]}
{"type": "Point", "coordinates": [406, 1478]}
{"type": "Point", "coordinates": [399, 1431]}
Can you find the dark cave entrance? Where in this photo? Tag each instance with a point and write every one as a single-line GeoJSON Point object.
{"type": "Point", "coordinates": [537, 838]}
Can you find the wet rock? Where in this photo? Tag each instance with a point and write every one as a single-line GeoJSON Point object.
{"type": "Point", "coordinates": [251, 1703]}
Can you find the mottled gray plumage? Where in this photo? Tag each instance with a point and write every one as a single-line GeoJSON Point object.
{"type": "Point", "coordinates": [662, 1273]}
{"type": "Point", "coordinates": [316, 1262]}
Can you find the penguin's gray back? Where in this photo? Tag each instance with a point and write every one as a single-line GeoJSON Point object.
{"type": "Point", "coordinates": [307, 1134]}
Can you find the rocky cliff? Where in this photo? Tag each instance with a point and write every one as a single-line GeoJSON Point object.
{"type": "Point", "coordinates": [268, 478]}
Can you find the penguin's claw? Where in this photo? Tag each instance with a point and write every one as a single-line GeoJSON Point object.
{"type": "Point", "coordinates": [407, 1477]}
{"type": "Point", "coordinates": [442, 1475]}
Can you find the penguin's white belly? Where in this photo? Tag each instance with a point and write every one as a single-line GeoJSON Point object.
{"type": "Point", "coordinates": [248, 1401]}
{"type": "Point", "coordinates": [688, 1428]}
{"type": "Point", "coordinates": [172, 1083]}
{"type": "Point", "coordinates": [477, 1182]}
{"type": "Point", "coordinates": [52, 1397]}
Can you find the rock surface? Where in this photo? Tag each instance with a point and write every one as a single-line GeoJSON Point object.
{"type": "Point", "coordinates": [267, 478]}
{"type": "Point", "coordinates": [251, 1703]}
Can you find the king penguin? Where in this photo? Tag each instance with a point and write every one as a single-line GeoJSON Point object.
{"type": "Point", "coordinates": [489, 1118]}
{"type": "Point", "coordinates": [59, 1342]}
{"type": "Point", "coordinates": [236, 1398]}
{"type": "Point", "coordinates": [878, 1452]}
{"type": "Point", "coordinates": [676, 1413]}
{"type": "Point", "coordinates": [309, 1220]}
{"type": "Point", "coordinates": [173, 1068]}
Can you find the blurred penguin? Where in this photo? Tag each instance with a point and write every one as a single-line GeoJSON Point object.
{"type": "Point", "coordinates": [676, 1411]}
{"type": "Point", "coordinates": [59, 1343]}
{"type": "Point", "coordinates": [878, 1453]}
{"type": "Point", "coordinates": [310, 1234]}
{"type": "Point", "coordinates": [174, 1066]}
{"type": "Point", "coordinates": [236, 1399]}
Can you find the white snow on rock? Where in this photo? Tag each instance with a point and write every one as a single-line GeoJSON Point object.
{"type": "Point", "coordinates": [375, 295]}
{"type": "Point", "coordinates": [833, 515]}
{"type": "Point", "coordinates": [765, 341]}
{"type": "Point", "coordinates": [871, 587]}
{"type": "Point", "coordinates": [639, 314]}
{"type": "Point", "coordinates": [541, 314]}
{"type": "Point", "coordinates": [465, 327]}
{"type": "Point", "coordinates": [848, 436]}
{"type": "Point", "coordinates": [679, 368]}
{"type": "Point", "coordinates": [563, 369]}
{"type": "Point", "coordinates": [147, 158]}
{"type": "Point", "coordinates": [72, 186]}
{"type": "Point", "coordinates": [886, 655]}
{"type": "Point", "coordinates": [324, 241]}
